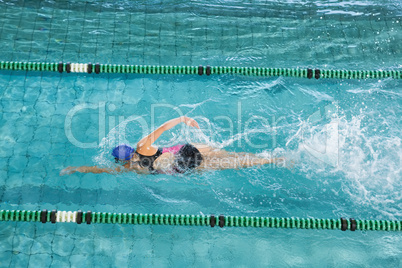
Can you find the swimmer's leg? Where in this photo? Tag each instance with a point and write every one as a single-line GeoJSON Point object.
{"type": "Point", "coordinates": [204, 148]}
{"type": "Point", "coordinates": [230, 160]}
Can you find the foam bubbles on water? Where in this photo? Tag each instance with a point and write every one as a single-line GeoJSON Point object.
{"type": "Point", "coordinates": [370, 161]}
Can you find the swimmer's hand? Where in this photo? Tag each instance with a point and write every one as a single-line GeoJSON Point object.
{"type": "Point", "coordinates": [190, 122]}
{"type": "Point", "coordinates": [68, 171]}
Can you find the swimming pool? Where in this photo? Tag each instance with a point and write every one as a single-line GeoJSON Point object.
{"type": "Point", "coordinates": [343, 135]}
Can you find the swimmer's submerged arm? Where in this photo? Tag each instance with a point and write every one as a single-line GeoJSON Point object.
{"type": "Point", "coordinates": [94, 169]}
{"type": "Point", "coordinates": [97, 170]}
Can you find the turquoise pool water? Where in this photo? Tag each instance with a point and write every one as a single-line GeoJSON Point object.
{"type": "Point", "coordinates": [344, 136]}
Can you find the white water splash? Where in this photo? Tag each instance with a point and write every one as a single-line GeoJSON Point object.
{"type": "Point", "coordinates": [370, 163]}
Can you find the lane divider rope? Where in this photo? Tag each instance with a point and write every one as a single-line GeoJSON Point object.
{"type": "Point", "coordinates": [198, 70]}
{"type": "Point", "coordinates": [89, 217]}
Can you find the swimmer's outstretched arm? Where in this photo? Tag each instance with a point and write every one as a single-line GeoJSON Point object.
{"type": "Point", "coordinates": [86, 169]}
{"type": "Point", "coordinates": [145, 143]}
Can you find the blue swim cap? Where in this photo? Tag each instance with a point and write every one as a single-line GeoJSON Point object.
{"type": "Point", "coordinates": [123, 152]}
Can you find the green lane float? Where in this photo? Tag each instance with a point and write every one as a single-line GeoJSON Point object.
{"type": "Point", "coordinates": [89, 217]}
{"type": "Point", "coordinates": [98, 68]}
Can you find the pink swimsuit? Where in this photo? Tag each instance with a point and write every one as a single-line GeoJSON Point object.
{"type": "Point", "coordinates": [173, 149]}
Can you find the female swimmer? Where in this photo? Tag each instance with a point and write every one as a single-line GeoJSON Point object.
{"type": "Point", "coordinates": [147, 158]}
